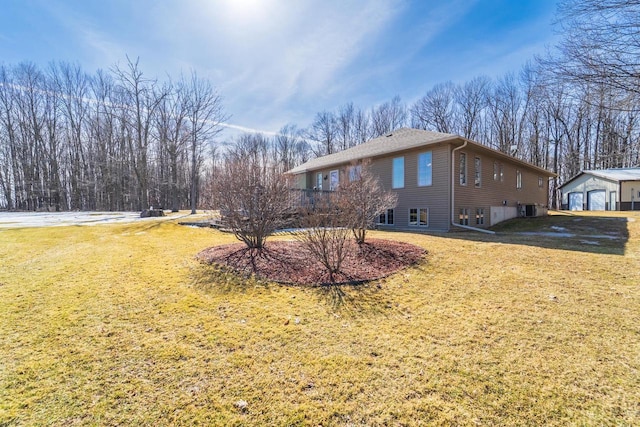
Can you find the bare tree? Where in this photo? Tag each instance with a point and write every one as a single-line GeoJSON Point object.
{"type": "Point", "coordinates": [388, 117]}
{"type": "Point", "coordinates": [471, 101]}
{"type": "Point", "coordinates": [253, 197]}
{"type": "Point", "coordinates": [364, 199]}
{"type": "Point", "coordinates": [287, 145]}
{"type": "Point", "coordinates": [601, 43]}
{"type": "Point", "coordinates": [324, 133]}
{"type": "Point", "coordinates": [141, 98]}
{"type": "Point", "coordinates": [435, 111]}
{"type": "Point", "coordinates": [205, 113]}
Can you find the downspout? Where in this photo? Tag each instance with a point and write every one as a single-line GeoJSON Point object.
{"type": "Point", "coordinates": [453, 184]}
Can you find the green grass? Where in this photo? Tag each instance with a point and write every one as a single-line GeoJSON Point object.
{"type": "Point", "coordinates": [119, 325]}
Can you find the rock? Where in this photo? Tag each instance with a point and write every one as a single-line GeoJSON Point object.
{"type": "Point", "coordinates": [242, 405]}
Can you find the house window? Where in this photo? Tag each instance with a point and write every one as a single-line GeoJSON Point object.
{"type": "Point", "coordinates": [319, 181]}
{"type": "Point", "coordinates": [398, 172]}
{"type": "Point", "coordinates": [480, 216]}
{"type": "Point", "coordinates": [354, 173]}
{"type": "Point", "coordinates": [463, 169]}
{"type": "Point", "coordinates": [424, 169]}
{"type": "Point", "coordinates": [496, 171]}
{"type": "Point", "coordinates": [501, 172]}
{"type": "Point", "coordinates": [386, 217]}
{"type": "Point", "coordinates": [419, 217]}
{"type": "Point", "coordinates": [334, 180]}
{"type": "Point", "coordinates": [518, 179]}
{"type": "Point", "coordinates": [463, 216]}
{"type": "Point", "coordinates": [478, 172]}
{"type": "Point", "coordinates": [540, 182]}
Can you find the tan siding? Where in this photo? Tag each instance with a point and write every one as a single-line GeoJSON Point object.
{"type": "Point", "coordinates": [494, 193]}
{"type": "Point", "coordinates": [436, 197]}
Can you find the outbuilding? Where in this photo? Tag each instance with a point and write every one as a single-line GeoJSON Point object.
{"type": "Point", "coordinates": [604, 189]}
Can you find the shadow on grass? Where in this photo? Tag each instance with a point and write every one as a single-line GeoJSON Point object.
{"type": "Point", "coordinates": [213, 278]}
{"type": "Point", "coordinates": [563, 230]}
{"type": "Point", "coordinates": [353, 299]}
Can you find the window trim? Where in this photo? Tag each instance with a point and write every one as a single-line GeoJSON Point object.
{"type": "Point", "coordinates": [418, 221]}
{"type": "Point", "coordinates": [335, 172]}
{"type": "Point", "coordinates": [463, 216]}
{"type": "Point", "coordinates": [480, 216]}
{"type": "Point", "coordinates": [518, 179]}
{"type": "Point", "coordinates": [386, 218]}
{"type": "Point", "coordinates": [394, 184]}
{"type": "Point", "coordinates": [429, 169]}
{"type": "Point", "coordinates": [462, 166]}
{"type": "Point", "coordinates": [355, 172]}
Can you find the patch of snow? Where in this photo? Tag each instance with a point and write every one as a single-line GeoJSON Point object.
{"type": "Point", "coordinates": [58, 219]}
{"type": "Point", "coordinates": [545, 234]}
{"type": "Point", "coordinates": [589, 242]}
{"type": "Point", "coordinates": [558, 228]}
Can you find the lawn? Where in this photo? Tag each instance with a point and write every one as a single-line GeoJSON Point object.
{"type": "Point", "coordinates": [118, 324]}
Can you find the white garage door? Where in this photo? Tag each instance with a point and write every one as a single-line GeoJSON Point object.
{"type": "Point", "coordinates": [575, 201]}
{"type": "Point", "coordinates": [596, 200]}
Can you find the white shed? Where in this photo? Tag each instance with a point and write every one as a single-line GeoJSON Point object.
{"type": "Point", "coordinates": [604, 189]}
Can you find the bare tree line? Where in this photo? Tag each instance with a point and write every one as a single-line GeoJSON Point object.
{"type": "Point", "coordinates": [116, 140]}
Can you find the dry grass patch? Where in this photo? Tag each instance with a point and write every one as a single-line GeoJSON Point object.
{"type": "Point", "coordinates": [119, 324]}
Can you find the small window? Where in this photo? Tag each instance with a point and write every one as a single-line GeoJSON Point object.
{"type": "Point", "coordinates": [319, 181]}
{"type": "Point", "coordinates": [478, 172]}
{"type": "Point", "coordinates": [501, 172]}
{"type": "Point", "coordinates": [334, 180]}
{"type": "Point", "coordinates": [463, 216]}
{"type": "Point", "coordinates": [463, 169]}
{"type": "Point", "coordinates": [419, 217]}
{"type": "Point", "coordinates": [496, 171]}
{"type": "Point", "coordinates": [480, 216]}
{"type": "Point", "coordinates": [398, 172]}
{"type": "Point", "coordinates": [424, 169]}
{"type": "Point", "coordinates": [540, 182]}
{"type": "Point", "coordinates": [386, 218]}
{"type": "Point", "coordinates": [355, 172]}
{"type": "Point", "coordinates": [518, 179]}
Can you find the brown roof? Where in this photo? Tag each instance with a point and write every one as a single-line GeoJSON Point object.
{"type": "Point", "coordinates": [396, 141]}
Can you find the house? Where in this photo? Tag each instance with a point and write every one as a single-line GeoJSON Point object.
{"type": "Point", "coordinates": [442, 180]}
{"type": "Point", "coordinates": [604, 189]}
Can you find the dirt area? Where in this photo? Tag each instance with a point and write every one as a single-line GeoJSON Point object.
{"type": "Point", "coordinates": [288, 262]}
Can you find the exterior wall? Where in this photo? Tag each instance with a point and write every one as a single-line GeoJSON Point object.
{"type": "Point", "coordinates": [586, 183]}
{"type": "Point", "coordinates": [499, 198]}
{"type": "Point", "coordinates": [434, 197]}
{"type": "Point", "coordinates": [628, 189]}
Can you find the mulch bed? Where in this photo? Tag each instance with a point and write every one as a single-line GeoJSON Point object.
{"type": "Point", "coordinates": [288, 262]}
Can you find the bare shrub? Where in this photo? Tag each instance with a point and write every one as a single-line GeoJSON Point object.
{"type": "Point", "coordinates": [364, 199]}
{"type": "Point", "coordinates": [252, 196]}
{"type": "Point", "coordinates": [326, 231]}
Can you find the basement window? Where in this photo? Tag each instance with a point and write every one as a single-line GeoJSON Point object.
{"type": "Point", "coordinates": [419, 217]}
{"type": "Point", "coordinates": [463, 216]}
{"type": "Point", "coordinates": [386, 218]}
{"type": "Point", "coordinates": [479, 216]}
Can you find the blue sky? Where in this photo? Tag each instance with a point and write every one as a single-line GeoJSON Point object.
{"type": "Point", "coordinates": [281, 61]}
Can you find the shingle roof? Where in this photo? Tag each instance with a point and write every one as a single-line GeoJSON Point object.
{"type": "Point", "coordinates": [613, 174]}
{"type": "Point", "coordinates": [398, 140]}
